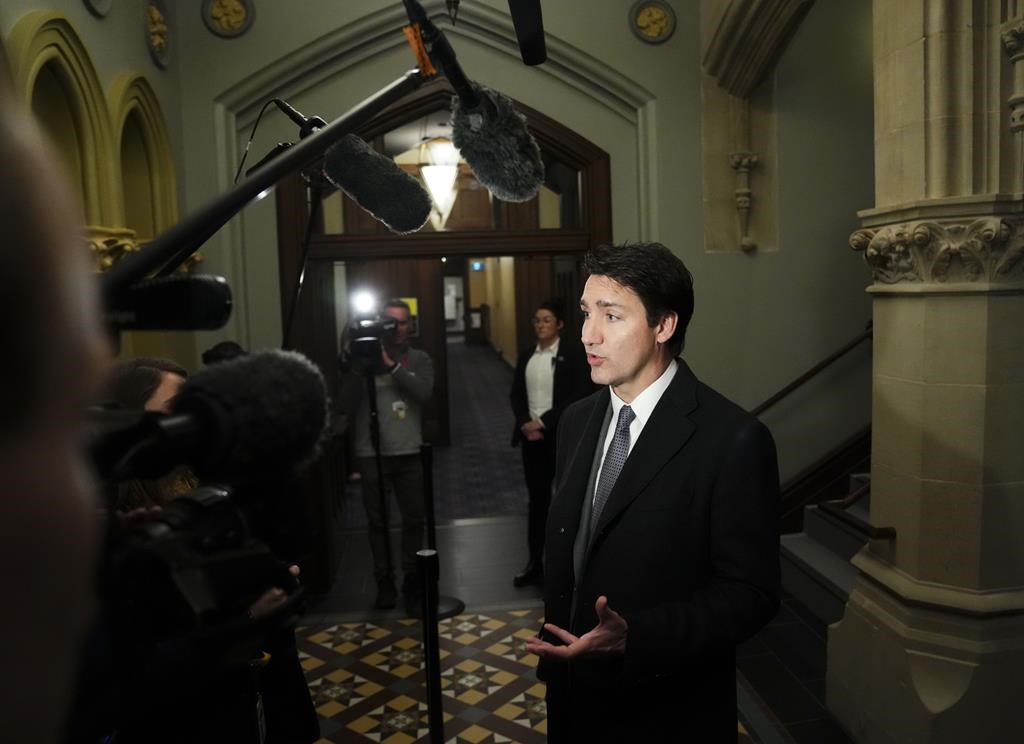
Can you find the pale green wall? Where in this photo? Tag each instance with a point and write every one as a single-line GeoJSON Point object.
{"type": "Point", "coordinates": [760, 319]}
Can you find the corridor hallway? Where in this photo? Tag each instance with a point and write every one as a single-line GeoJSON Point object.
{"type": "Point", "coordinates": [480, 503]}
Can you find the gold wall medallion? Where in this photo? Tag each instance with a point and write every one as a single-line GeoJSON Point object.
{"type": "Point", "coordinates": [228, 18]}
{"type": "Point", "coordinates": [158, 37]}
{"type": "Point", "coordinates": [652, 21]}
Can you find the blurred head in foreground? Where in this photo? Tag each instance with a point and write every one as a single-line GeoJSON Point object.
{"type": "Point", "coordinates": [54, 356]}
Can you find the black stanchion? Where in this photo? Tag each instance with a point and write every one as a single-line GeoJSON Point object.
{"type": "Point", "coordinates": [446, 606]}
{"type": "Point", "coordinates": [427, 568]}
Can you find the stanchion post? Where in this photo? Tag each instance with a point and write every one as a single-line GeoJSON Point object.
{"type": "Point", "coordinates": [446, 606]}
{"type": "Point", "coordinates": [427, 458]}
{"type": "Point", "coordinates": [427, 568]}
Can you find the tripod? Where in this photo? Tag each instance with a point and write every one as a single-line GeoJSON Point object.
{"type": "Point", "coordinates": [371, 398]}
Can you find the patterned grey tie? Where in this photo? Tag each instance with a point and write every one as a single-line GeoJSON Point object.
{"type": "Point", "coordinates": [613, 462]}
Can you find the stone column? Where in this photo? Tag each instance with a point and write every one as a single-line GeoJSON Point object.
{"type": "Point", "coordinates": [931, 647]}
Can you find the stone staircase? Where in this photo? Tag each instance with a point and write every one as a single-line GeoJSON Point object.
{"type": "Point", "coordinates": [816, 567]}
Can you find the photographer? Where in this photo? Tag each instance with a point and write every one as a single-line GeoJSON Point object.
{"type": "Point", "coordinates": [403, 380]}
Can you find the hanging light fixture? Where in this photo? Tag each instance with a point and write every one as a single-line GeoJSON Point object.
{"type": "Point", "coordinates": [439, 167]}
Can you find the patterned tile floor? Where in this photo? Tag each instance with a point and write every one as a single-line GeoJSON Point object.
{"type": "Point", "coordinates": [367, 682]}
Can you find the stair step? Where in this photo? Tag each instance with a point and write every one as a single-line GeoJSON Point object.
{"type": "Point", "coordinates": [816, 576]}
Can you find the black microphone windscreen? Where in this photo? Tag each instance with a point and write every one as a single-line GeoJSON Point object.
{"type": "Point", "coordinates": [266, 413]}
{"type": "Point", "coordinates": [377, 184]}
{"type": "Point", "coordinates": [494, 140]}
{"type": "Point", "coordinates": [179, 302]}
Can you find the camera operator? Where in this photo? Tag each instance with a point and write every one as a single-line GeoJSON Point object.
{"type": "Point", "coordinates": [54, 357]}
{"type": "Point", "coordinates": [144, 675]}
{"type": "Point", "coordinates": [150, 384]}
{"type": "Point", "coordinates": [403, 379]}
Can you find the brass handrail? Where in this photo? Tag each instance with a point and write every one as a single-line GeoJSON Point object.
{"type": "Point", "coordinates": [866, 334]}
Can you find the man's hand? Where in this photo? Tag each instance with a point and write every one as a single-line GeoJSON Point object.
{"type": "Point", "coordinates": [608, 638]}
{"type": "Point", "coordinates": [388, 361]}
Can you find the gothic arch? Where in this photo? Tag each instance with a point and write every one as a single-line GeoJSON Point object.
{"type": "Point", "coordinates": [136, 114]}
{"type": "Point", "coordinates": [43, 42]}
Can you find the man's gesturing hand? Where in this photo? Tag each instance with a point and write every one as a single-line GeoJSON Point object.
{"type": "Point", "coordinates": [607, 638]}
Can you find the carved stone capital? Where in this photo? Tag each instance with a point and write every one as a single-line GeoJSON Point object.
{"type": "Point", "coordinates": [1012, 33]}
{"type": "Point", "coordinates": [109, 245]}
{"type": "Point", "coordinates": [985, 251]}
{"type": "Point", "coordinates": [742, 161]}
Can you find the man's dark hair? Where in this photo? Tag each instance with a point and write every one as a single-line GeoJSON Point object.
{"type": "Point", "coordinates": [659, 278]}
{"type": "Point", "coordinates": [395, 302]}
{"type": "Point", "coordinates": [223, 352]}
{"type": "Point", "coordinates": [132, 382]}
{"type": "Point", "coordinates": [555, 306]}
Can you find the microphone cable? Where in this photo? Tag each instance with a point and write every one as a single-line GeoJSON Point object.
{"type": "Point", "coordinates": [252, 134]}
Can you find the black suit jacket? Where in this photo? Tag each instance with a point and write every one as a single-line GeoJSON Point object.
{"type": "Point", "coordinates": [571, 382]}
{"type": "Point", "coordinates": [686, 550]}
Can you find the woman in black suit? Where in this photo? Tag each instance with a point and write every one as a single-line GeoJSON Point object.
{"type": "Point", "coordinates": [548, 377]}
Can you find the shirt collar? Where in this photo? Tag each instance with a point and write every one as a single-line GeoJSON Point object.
{"type": "Point", "coordinates": [553, 349]}
{"type": "Point", "coordinates": [643, 405]}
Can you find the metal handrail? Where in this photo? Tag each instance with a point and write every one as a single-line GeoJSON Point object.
{"type": "Point", "coordinates": [813, 371]}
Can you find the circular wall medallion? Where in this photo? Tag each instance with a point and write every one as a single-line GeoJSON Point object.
{"type": "Point", "coordinates": [98, 8]}
{"type": "Point", "coordinates": [158, 33]}
{"type": "Point", "coordinates": [228, 18]}
{"type": "Point", "coordinates": [652, 21]}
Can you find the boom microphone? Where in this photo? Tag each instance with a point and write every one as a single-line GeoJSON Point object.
{"type": "Point", "coordinates": [306, 125]}
{"type": "Point", "coordinates": [255, 416]}
{"type": "Point", "coordinates": [529, 25]}
{"type": "Point", "coordinates": [490, 134]}
{"type": "Point", "coordinates": [180, 302]}
{"type": "Point", "coordinates": [377, 184]}
{"type": "Point", "coordinates": [494, 140]}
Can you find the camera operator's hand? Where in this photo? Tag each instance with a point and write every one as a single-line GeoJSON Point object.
{"type": "Point", "coordinates": [134, 517]}
{"type": "Point", "coordinates": [385, 358]}
{"type": "Point", "coordinates": [272, 599]}
{"type": "Point", "coordinates": [269, 601]}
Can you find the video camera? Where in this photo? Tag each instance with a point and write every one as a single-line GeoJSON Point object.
{"type": "Point", "coordinates": [367, 335]}
{"type": "Point", "coordinates": [251, 423]}
{"type": "Point", "coordinates": [192, 572]}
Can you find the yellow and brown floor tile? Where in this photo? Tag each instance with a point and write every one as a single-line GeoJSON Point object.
{"type": "Point", "coordinates": [368, 685]}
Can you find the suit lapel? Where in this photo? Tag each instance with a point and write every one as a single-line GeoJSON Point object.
{"type": "Point", "coordinates": [667, 432]}
{"type": "Point", "coordinates": [583, 449]}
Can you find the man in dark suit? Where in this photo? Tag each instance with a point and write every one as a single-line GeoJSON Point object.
{"type": "Point", "coordinates": [549, 376]}
{"type": "Point", "coordinates": [663, 534]}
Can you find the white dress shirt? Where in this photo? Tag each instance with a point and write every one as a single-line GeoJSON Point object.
{"type": "Point", "coordinates": [540, 380]}
{"type": "Point", "coordinates": [643, 406]}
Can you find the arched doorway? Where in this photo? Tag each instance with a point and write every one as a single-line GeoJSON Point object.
{"type": "Point", "coordinates": [411, 266]}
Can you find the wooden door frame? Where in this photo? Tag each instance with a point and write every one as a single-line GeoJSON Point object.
{"type": "Point", "coordinates": [316, 332]}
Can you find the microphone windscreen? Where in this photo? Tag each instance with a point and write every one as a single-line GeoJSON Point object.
{"type": "Point", "coordinates": [494, 140]}
{"type": "Point", "coordinates": [265, 413]}
{"type": "Point", "coordinates": [179, 302]}
{"type": "Point", "coordinates": [378, 185]}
